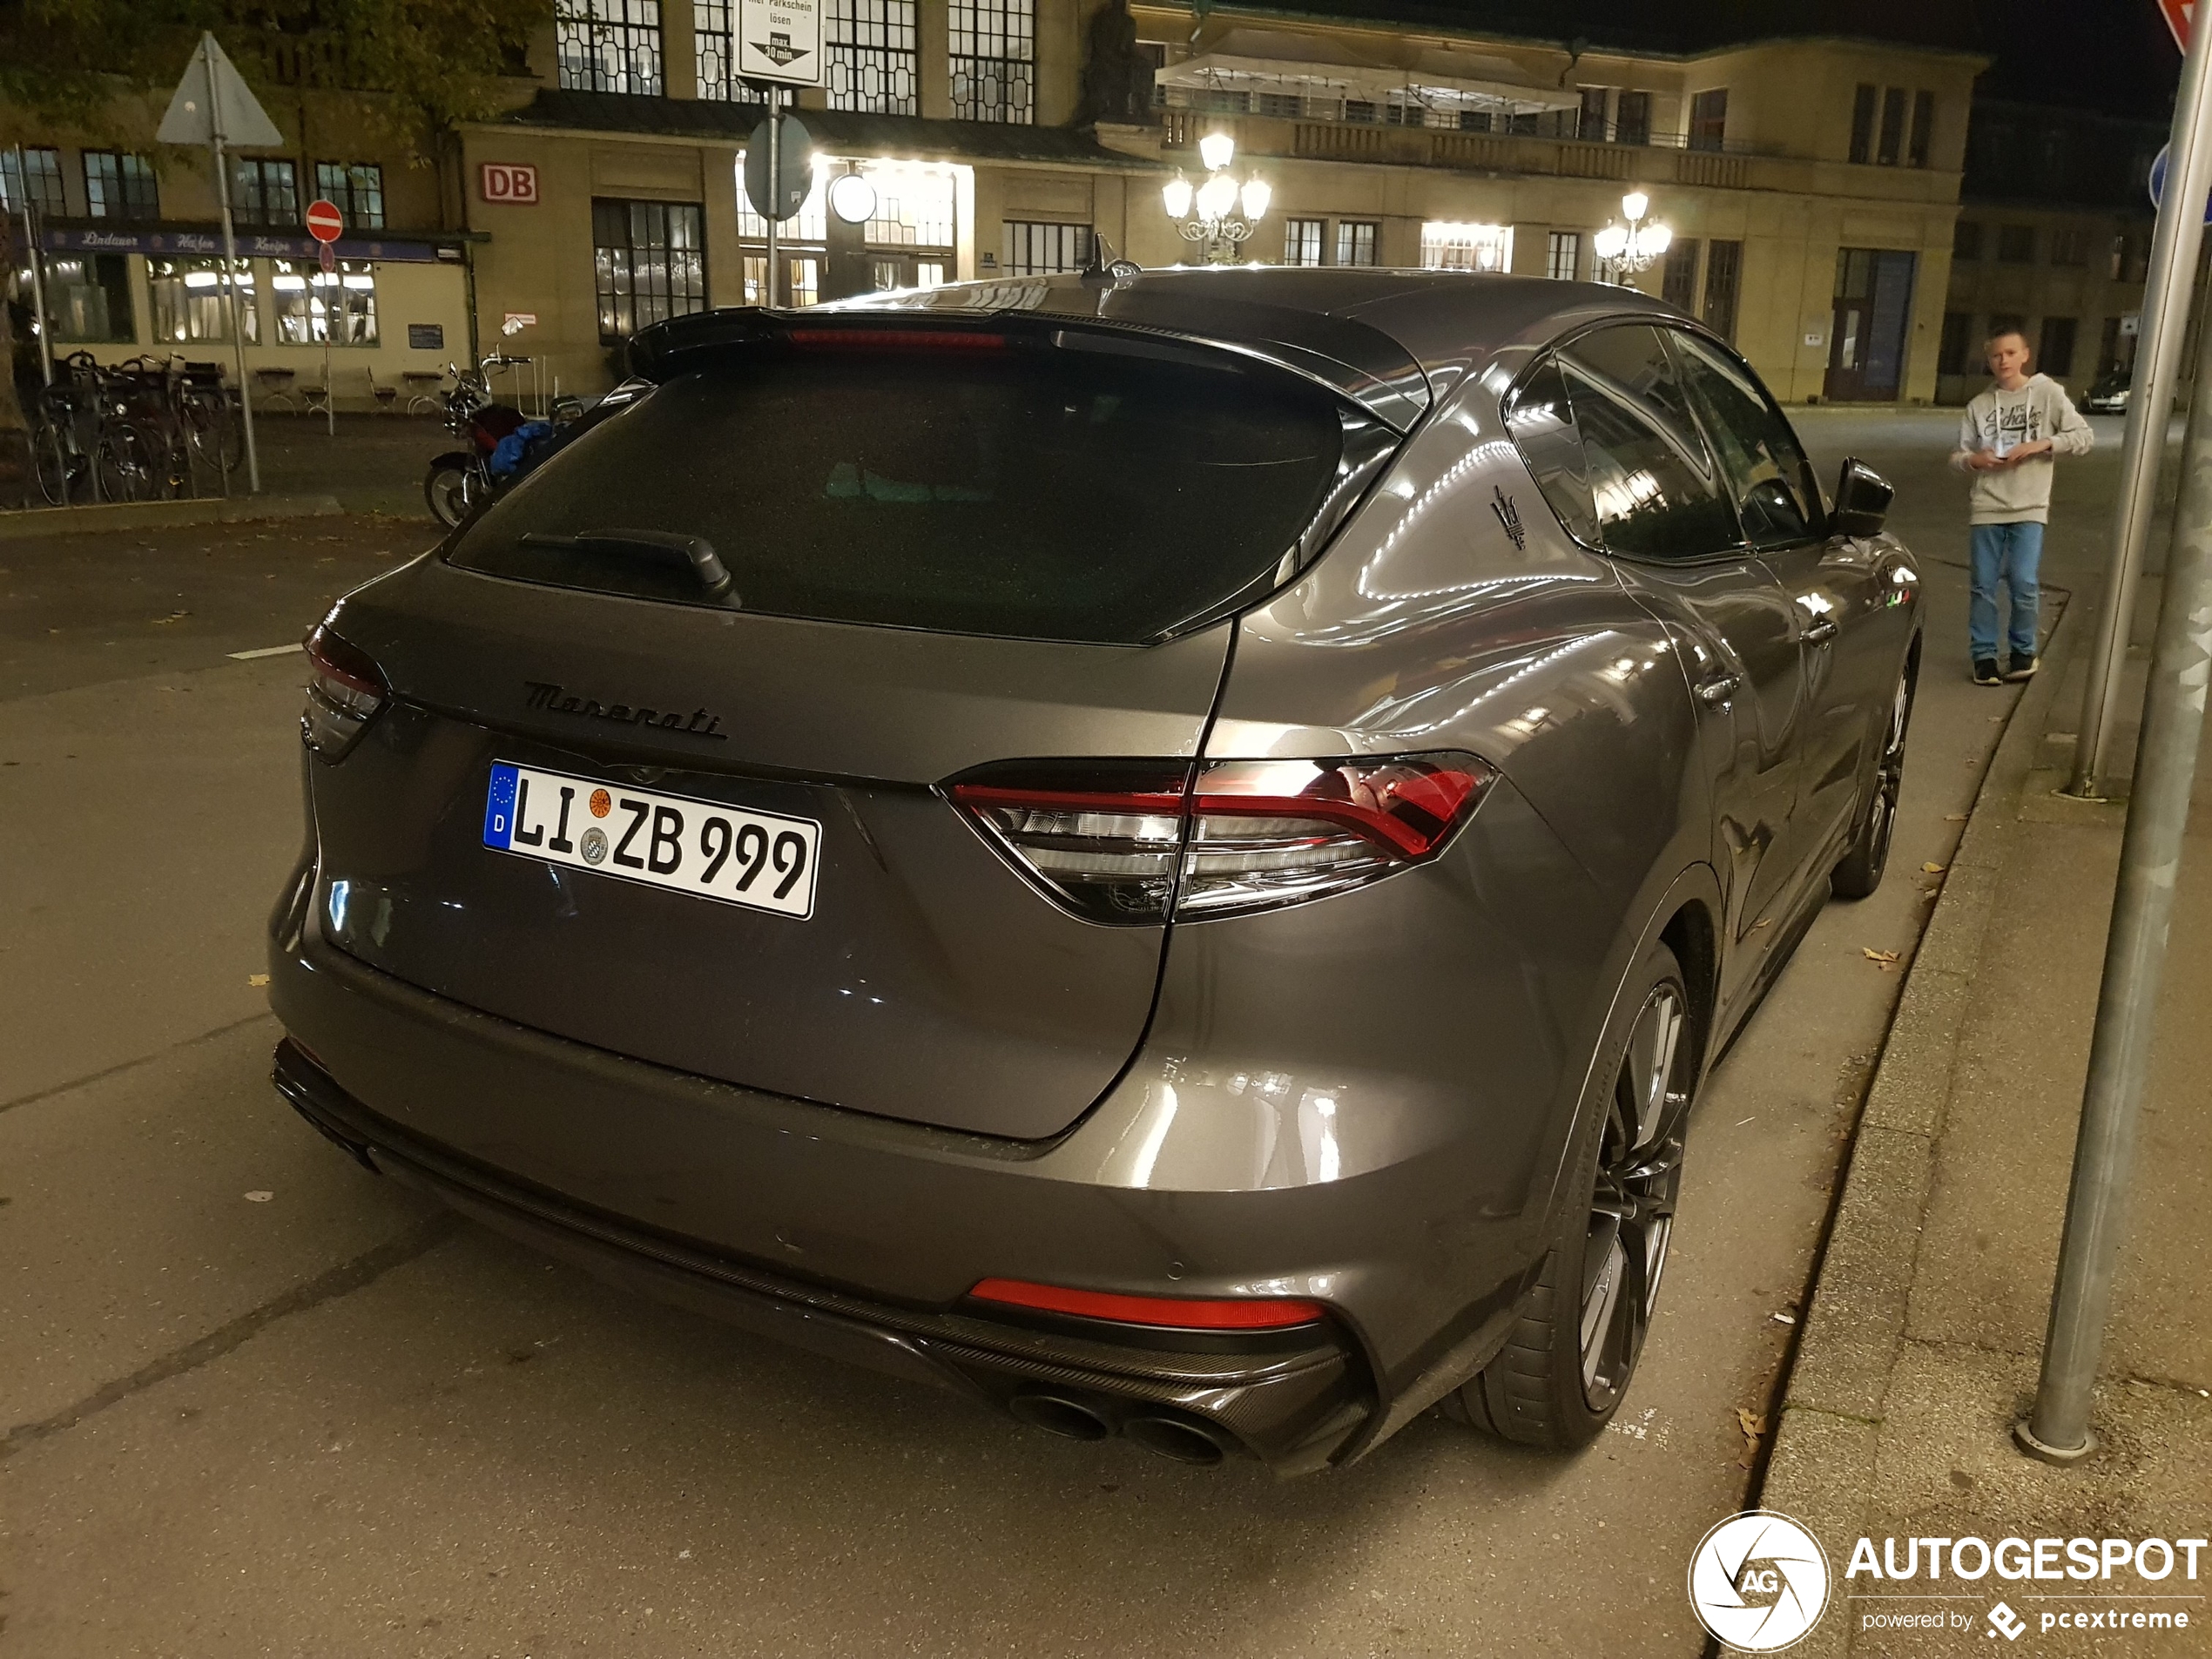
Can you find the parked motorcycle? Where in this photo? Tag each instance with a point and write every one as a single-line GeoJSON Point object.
{"type": "Point", "coordinates": [460, 479]}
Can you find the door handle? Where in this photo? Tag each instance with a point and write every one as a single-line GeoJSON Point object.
{"type": "Point", "coordinates": [1820, 630]}
{"type": "Point", "coordinates": [1718, 688]}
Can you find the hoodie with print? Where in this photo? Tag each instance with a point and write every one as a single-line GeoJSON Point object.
{"type": "Point", "coordinates": [2001, 421]}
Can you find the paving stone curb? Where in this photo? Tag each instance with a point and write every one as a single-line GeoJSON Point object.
{"type": "Point", "coordinates": [161, 514]}
{"type": "Point", "coordinates": [1821, 1471]}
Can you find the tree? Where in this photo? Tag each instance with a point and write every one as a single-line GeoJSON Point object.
{"type": "Point", "coordinates": [431, 65]}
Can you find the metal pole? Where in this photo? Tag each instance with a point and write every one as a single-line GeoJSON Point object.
{"type": "Point", "coordinates": [37, 272]}
{"type": "Point", "coordinates": [775, 193]}
{"type": "Point", "coordinates": [333, 291]}
{"type": "Point", "coordinates": [2119, 1054]}
{"type": "Point", "coordinates": [2158, 357]}
{"type": "Point", "coordinates": [230, 257]}
{"type": "Point", "coordinates": [38, 323]}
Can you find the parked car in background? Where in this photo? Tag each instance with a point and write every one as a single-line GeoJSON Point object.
{"type": "Point", "coordinates": [1170, 852]}
{"type": "Point", "coordinates": [2109, 394]}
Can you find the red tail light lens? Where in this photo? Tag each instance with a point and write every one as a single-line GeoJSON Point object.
{"type": "Point", "coordinates": [345, 690]}
{"type": "Point", "coordinates": [1235, 1313]}
{"type": "Point", "coordinates": [1266, 832]}
{"type": "Point", "coordinates": [1101, 839]}
{"type": "Point", "coordinates": [1135, 841]}
{"type": "Point", "coordinates": [907, 340]}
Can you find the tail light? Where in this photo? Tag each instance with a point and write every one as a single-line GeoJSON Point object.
{"type": "Point", "coordinates": [1137, 842]}
{"type": "Point", "coordinates": [1230, 1313]}
{"type": "Point", "coordinates": [345, 689]}
{"type": "Point", "coordinates": [898, 338]}
{"type": "Point", "coordinates": [1101, 839]}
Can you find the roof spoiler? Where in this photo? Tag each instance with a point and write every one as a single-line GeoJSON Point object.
{"type": "Point", "coordinates": [1350, 359]}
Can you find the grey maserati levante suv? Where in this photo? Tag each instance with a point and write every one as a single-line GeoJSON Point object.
{"type": "Point", "coordinates": [1168, 851]}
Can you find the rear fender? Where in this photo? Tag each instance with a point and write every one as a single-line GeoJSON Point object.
{"type": "Point", "coordinates": [459, 460]}
{"type": "Point", "coordinates": [1697, 885]}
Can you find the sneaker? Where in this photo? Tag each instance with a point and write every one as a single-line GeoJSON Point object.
{"type": "Point", "coordinates": [2023, 668]}
{"type": "Point", "coordinates": [1985, 671]}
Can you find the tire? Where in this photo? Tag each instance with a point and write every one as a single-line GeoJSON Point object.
{"type": "Point", "coordinates": [1573, 1350]}
{"type": "Point", "coordinates": [1860, 872]}
{"type": "Point", "coordinates": [126, 465]}
{"type": "Point", "coordinates": [64, 479]}
{"type": "Point", "coordinates": [451, 493]}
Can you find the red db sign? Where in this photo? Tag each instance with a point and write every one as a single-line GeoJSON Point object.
{"type": "Point", "coordinates": [509, 184]}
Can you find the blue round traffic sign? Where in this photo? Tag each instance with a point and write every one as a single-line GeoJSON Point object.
{"type": "Point", "coordinates": [2158, 182]}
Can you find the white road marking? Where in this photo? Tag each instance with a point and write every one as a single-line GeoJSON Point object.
{"type": "Point", "coordinates": [265, 651]}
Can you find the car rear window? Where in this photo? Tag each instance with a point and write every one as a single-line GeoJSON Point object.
{"type": "Point", "coordinates": [1028, 490]}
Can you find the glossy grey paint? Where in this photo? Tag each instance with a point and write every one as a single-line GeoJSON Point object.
{"type": "Point", "coordinates": [1444, 1018]}
{"type": "Point", "coordinates": [1005, 1015]}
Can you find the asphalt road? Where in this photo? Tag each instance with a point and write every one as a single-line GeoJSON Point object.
{"type": "Point", "coordinates": [259, 1401]}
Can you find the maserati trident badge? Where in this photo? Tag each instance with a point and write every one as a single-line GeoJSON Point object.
{"type": "Point", "coordinates": [1509, 516]}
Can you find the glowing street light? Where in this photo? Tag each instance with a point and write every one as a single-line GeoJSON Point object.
{"type": "Point", "coordinates": [1207, 214]}
{"type": "Point", "coordinates": [1633, 247]}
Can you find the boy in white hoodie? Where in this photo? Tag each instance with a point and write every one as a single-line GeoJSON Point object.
{"type": "Point", "coordinates": [2007, 443]}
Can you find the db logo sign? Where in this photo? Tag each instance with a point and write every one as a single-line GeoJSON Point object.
{"type": "Point", "coordinates": [509, 184]}
{"type": "Point", "coordinates": [1758, 1582]}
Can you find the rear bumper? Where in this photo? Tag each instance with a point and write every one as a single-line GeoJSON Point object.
{"type": "Point", "coordinates": [1292, 1405]}
{"type": "Point", "coordinates": [1419, 1222]}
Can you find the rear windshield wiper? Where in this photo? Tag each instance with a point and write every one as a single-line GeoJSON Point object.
{"type": "Point", "coordinates": [697, 550]}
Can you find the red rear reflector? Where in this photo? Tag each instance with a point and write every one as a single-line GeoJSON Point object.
{"type": "Point", "coordinates": [1238, 1313]}
{"type": "Point", "coordinates": [948, 339]}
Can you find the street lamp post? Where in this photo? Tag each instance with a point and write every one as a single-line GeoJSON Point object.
{"type": "Point", "coordinates": [1206, 214]}
{"type": "Point", "coordinates": [1633, 245]}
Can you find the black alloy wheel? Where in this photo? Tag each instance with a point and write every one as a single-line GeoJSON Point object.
{"type": "Point", "coordinates": [1632, 1204]}
{"type": "Point", "coordinates": [1574, 1348]}
{"type": "Point", "coordinates": [1860, 872]}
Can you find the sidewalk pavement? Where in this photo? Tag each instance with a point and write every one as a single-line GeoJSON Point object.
{"type": "Point", "coordinates": [1921, 1344]}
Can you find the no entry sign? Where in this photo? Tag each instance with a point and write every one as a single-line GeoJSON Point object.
{"type": "Point", "coordinates": [325, 222]}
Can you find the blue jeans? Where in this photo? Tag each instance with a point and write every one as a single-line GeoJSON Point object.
{"type": "Point", "coordinates": [2012, 553]}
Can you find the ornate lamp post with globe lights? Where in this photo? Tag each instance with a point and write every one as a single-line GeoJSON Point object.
{"type": "Point", "coordinates": [1628, 248]}
{"type": "Point", "coordinates": [1207, 215]}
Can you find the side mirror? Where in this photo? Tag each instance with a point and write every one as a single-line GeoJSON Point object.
{"type": "Point", "coordinates": [1863, 498]}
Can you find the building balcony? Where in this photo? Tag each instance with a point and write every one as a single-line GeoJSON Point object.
{"type": "Point", "coordinates": [1498, 153]}
{"type": "Point", "coordinates": [1524, 155]}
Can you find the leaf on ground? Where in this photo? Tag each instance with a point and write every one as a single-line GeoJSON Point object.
{"type": "Point", "coordinates": [1954, 818]}
{"type": "Point", "coordinates": [257, 980]}
{"type": "Point", "coordinates": [1753, 1426]}
{"type": "Point", "coordinates": [1934, 869]}
{"type": "Point", "coordinates": [1763, 921]}
{"type": "Point", "coordinates": [1887, 958]}
{"type": "Point", "coordinates": [260, 1196]}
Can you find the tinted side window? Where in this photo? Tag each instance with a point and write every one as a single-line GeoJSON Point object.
{"type": "Point", "coordinates": [1657, 492]}
{"type": "Point", "coordinates": [1542, 424]}
{"type": "Point", "coordinates": [1766, 470]}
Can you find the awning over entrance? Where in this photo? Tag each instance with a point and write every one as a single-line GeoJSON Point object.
{"type": "Point", "coordinates": [1266, 61]}
{"type": "Point", "coordinates": [206, 241]}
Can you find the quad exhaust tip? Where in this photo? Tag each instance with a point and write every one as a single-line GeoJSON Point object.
{"type": "Point", "coordinates": [1184, 1439]}
{"type": "Point", "coordinates": [1176, 1437]}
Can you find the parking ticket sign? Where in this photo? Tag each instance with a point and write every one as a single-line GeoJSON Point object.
{"type": "Point", "coordinates": [781, 41]}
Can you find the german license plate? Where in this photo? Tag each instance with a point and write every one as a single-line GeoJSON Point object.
{"type": "Point", "coordinates": [761, 861]}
